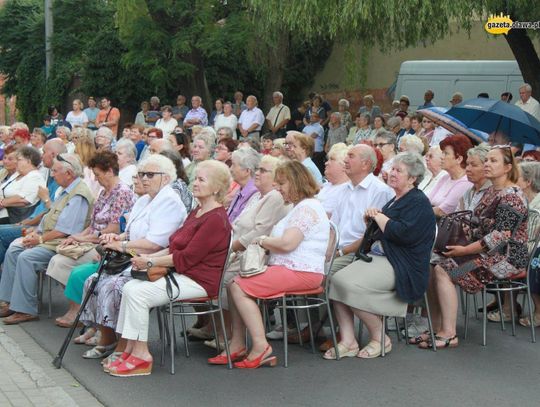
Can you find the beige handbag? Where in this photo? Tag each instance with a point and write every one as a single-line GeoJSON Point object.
{"type": "Point", "coordinates": [75, 250]}
{"type": "Point", "coordinates": [253, 261]}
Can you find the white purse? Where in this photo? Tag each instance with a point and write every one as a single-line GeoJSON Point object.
{"type": "Point", "coordinates": [253, 261]}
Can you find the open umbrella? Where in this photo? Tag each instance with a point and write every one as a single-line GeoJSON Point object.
{"type": "Point", "coordinates": [438, 116]}
{"type": "Point", "coordinates": [491, 115]}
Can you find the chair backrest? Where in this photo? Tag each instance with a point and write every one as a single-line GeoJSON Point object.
{"type": "Point", "coordinates": [333, 244]}
{"type": "Point", "coordinates": [225, 267]}
{"type": "Point", "coordinates": [533, 229]}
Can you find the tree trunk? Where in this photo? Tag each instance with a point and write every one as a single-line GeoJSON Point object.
{"type": "Point", "coordinates": [277, 61]}
{"type": "Point", "coordinates": [527, 58]}
{"type": "Point", "coordinates": [198, 84]}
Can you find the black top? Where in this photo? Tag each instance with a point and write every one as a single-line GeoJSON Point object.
{"type": "Point", "coordinates": [407, 241]}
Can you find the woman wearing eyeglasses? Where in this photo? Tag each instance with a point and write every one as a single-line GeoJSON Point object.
{"type": "Point", "coordinates": [385, 142]}
{"type": "Point", "coordinates": [499, 246]}
{"type": "Point", "coordinates": [153, 219]}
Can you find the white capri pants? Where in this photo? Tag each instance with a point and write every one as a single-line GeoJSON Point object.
{"type": "Point", "coordinates": [138, 297]}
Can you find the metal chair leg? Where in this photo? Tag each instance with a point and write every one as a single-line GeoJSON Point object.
{"type": "Point", "coordinates": [214, 330]}
{"type": "Point", "coordinates": [383, 331]}
{"type": "Point", "coordinates": [49, 287]}
{"type": "Point", "coordinates": [484, 316]}
{"type": "Point", "coordinates": [530, 306]}
{"type": "Point", "coordinates": [310, 327]}
{"type": "Point", "coordinates": [430, 324]}
{"type": "Point", "coordinates": [161, 335]}
{"type": "Point", "coordinates": [332, 327]}
{"type": "Point", "coordinates": [466, 316]}
{"type": "Point", "coordinates": [225, 339]}
{"type": "Point", "coordinates": [512, 312]}
{"type": "Point", "coordinates": [171, 335]}
{"type": "Point", "coordinates": [297, 321]}
{"type": "Point", "coordinates": [500, 309]}
{"type": "Point", "coordinates": [398, 328]}
{"type": "Point", "coordinates": [462, 300]}
{"type": "Point", "coordinates": [184, 330]}
{"type": "Point", "coordinates": [285, 339]}
{"type": "Point", "coordinates": [406, 330]}
{"type": "Point", "coordinates": [475, 306]}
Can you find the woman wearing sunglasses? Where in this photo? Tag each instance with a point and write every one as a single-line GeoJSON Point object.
{"type": "Point", "coordinates": [498, 248]}
{"type": "Point", "coordinates": [155, 216]}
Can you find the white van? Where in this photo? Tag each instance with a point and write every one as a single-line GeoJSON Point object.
{"type": "Point", "coordinates": [447, 77]}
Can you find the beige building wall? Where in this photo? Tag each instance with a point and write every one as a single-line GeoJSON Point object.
{"type": "Point", "coordinates": [382, 68]}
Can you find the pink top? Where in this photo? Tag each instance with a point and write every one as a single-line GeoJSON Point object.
{"type": "Point", "coordinates": [447, 192]}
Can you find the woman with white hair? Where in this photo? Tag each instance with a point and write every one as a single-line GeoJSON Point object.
{"type": "Point", "coordinates": [433, 160]}
{"type": "Point", "coordinates": [148, 229]}
{"type": "Point", "coordinates": [64, 134]}
{"type": "Point", "coordinates": [345, 115]}
{"type": "Point", "coordinates": [127, 153]}
{"type": "Point", "coordinates": [244, 163]}
{"type": "Point", "coordinates": [411, 143]}
{"type": "Point", "coordinates": [202, 149]}
{"type": "Point", "coordinates": [336, 178]}
{"type": "Point", "coordinates": [197, 251]}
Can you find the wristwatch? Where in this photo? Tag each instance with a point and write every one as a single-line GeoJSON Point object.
{"type": "Point", "coordinates": [340, 252]}
{"type": "Point", "coordinates": [149, 263]}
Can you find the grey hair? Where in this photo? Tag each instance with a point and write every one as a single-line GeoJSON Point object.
{"type": "Point", "coordinates": [208, 140]}
{"type": "Point", "coordinates": [413, 143]}
{"type": "Point", "coordinates": [128, 147]}
{"type": "Point", "coordinates": [155, 98]}
{"type": "Point", "coordinates": [73, 163]}
{"type": "Point", "coordinates": [480, 151]}
{"type": "Point", "coordinates": [336, 114]}
{"type": "Point", "coordinates": [527, 87]}
{"type": "Point", "coordinates": [105, 132]}
{"type": "Point", "coordinates": [253, 97]}
{"type": "Point", "coordinates": [20, 125]}
{"type": "Point", "coordinates": [277, 93]}
{"type": "Point", "coordinates": [66, 130]}
{"type": "Point", "coordinates": [164, 164]}
{"type": "Point", "coordinates": [247, 158]}
{"type": "Point", "coordinates": [387, 136]}
{"type": "Point", "coordinates": [414, 164]}
{"type": "Point", "coordinates": [57, 146]}
{"type": "Point", "coordinates": [228, 130]}
{"type": "Point", "coordinates": [530, 171]}
{"type": "Point", "coordinates": [367, 153]}
{"type": "Point", "coordinates": [344, 102]}
{"type": "Point", "coordinates": [209, 131]}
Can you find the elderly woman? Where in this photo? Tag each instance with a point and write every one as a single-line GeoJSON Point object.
{"type": "Point", "coordinates": [201, 150]}
{"type": "Point", "coordinates": [167, 123]}
{"type": "Point", "coordinates": [379, 124]}
{"type": "Point", "coordinates": [345, 115]}
{"type": "Point", "coordinates": [474, 169]}
{"type": "Point", "coordinates": [224, 151]}
{"type": "Point", "coordinates": [529, 182]}
{"type": "Point", "coordinates": [21, 138]}
{"type": "Point", "coordinates": [445, 195]}
{"type": "Point", "coordinates": [19, 193]}
{"type": "Point", "coordinates": [369, 107]}
{"type": "Point", "coordinates": [416, 125]}
{"type": "Point", "coordinates": [140, 118]}
{"type": "Point", "coordinates": [412, 144]}
{"type": "Point", "coordinates": [385, 142]}
{"type": "Point", "coordinates": [64, 134]}
{"type": "Point", "coordinates": [263, 211]}
{"type": "Point", "coordinates": [278, 148]}
{"type": "Point", "coordinates": [400, 276]}
{"type": "Point", "coordinates": [363, 129]}
{"type": "Point", "coordinates": [433, 160]}
{"type": "Point", "coordinates": [244, 163]}
{"type": "Point", "coordinates": [126, 153]}
{"type": "Point", "coordinates": [297, 247]}
{"type": "Point", "coordinates": [9, 162]}
{"type": "Point", "coordinates": [115, 199]}
{"type": "Point", "coordinates": [300, 147]}
{"type": "Point", "coordinates": [148, 229]}
{"type": "Point", "coordinates": [77, 118]}
{"type": "Point", "coordinates": [334, 171]}
{"type": "Point", "coordinates": [197, 251]}
{"type": "Point", "coordinates": [337, 132]}
{"type": "Point", "coordinates": [429, 129]}
{"type": "Point", "coordinates": [499, 245]}
{"type": "Point", "coordinates": [227, 119]}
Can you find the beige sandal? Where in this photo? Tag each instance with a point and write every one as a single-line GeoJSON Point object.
{"type": "Point", "coordinates": [344, 352]}
{"type": "Point", "coordinates": [373, 350]}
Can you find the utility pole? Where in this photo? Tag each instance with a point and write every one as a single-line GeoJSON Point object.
{"type": "Point", "coordinates": [48, 36]}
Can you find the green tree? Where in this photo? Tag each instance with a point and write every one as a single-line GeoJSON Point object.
{"type": "Point", "coordinates": [393, 25]}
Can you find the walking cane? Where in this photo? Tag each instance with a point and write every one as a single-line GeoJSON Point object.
{"type": "Point", "coordinates": [57, 362]}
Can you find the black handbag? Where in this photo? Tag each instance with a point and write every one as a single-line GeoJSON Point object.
{"type": "Point", "coordinates": [370, 236]}
{"type": "Point", "coordinates": [453, 230]}
{"type": "Point", "coordinates": [118, 262]}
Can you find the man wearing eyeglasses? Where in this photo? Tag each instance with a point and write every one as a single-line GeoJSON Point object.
{"type": "Point", "coordinates": [69, 215]}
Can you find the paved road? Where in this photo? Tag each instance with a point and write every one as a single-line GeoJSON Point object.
{"type": "Point", "coordinates": [504, 373]}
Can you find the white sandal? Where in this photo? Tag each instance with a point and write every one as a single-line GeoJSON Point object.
{"type": "Point", "coordinates": [99, 351]}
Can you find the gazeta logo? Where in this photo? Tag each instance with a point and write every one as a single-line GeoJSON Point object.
{"type": "Point", "coordinates": [500, 24]}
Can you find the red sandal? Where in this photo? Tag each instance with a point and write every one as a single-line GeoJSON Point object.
{"type": "Point", "coordinates": [222, 359]}
{"type": "Point", "coordinates": [132, 366]}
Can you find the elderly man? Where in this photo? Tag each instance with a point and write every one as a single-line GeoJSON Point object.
{"type": "Point", "coordinates": [251, 120]}
{"type": "Point", "coordinates": [457, 98]}
{"type": "Point", "coordinates": [104, 139]}
{"type": "Point", "coordinates": [428, 100]}
{"type": "Point", "coordinates": [278, 116]}
{"type": "Point", "coordinates": [197, 114]}
{"type": "Point", "coordinates": [315, 130]}
{"type": "Point", "coordinates": [108, 116]}
{"type": "Point", "coordinates": [69, 214]}
{"type": "Point", "coordinates": [159, 145]}
{"type": "Point", "coordinates": [530, 105]}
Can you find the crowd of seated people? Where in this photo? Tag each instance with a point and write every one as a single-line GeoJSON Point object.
{"type": "Point", "coordinates": [174, 187]}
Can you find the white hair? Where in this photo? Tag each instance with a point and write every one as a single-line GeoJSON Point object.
{"type": "Point", "coordinates": [527, 87]}
{"type": "Point", "coordinates": [247, 158]}
{"type": "Point", "coordinates": [128, 147]}
{"type": "Point", "coordinates": [105, 132]}
{"type": "Point", "coordinates": [164, 164]}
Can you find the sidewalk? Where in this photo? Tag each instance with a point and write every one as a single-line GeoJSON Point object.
{"type": "Point", "coordinates": [29, 379]}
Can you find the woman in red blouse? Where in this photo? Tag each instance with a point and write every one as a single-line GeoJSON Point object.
{"type": "Point", "coordinates": [197, 252]}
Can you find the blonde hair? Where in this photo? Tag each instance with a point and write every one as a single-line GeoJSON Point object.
{"type": "Point", "coordinates": [302, 183]}
{"type": "Point", "coordinates": [338, 152]}
{"type": "Point", "coordinates": [413, 143]}
{"type": "Point", "coordinates": [306, 142]}
{"type": "Point", "coordinates": [271, 161]}
{"type": "Point", "coordinates": [85, 147]}
{"type": "Point", "coordinates": [219, 177]}
{"type": "Point", "coordinates": [196, 130]}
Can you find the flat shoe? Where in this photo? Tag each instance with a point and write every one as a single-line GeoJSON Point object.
{"type": "Point", "coordinates": [81, 339]}
{"type": "Point", "coordinates": [494, 316]}
{"type": "Point", "coordinates": [19, 317]}
{"type": "Point", "coordinates": [99, 352]}
{"type": "Point", "coordinates": [67, 324]}
{"type": "Point", "coordinates": [446, 343]}
{"type": "Point", "coordinates": [373, 350]}
{"type": "Point", "coordinates": [344, 352]}
{"type": "Point", "coordinates": [199, 334]}
{"type": "Point", "coordinates": [212, 344]}
{"type": "Point", "coordinates": [527, 323]}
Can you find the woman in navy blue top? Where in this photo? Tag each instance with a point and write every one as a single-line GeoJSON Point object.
{"type": "Point", "coordinates": [399, 273]}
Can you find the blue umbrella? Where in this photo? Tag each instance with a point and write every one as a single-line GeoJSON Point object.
{"type": "Point", "coordinates": [491, 115]}
{"type": "Point", "coordinates": [453, 125]}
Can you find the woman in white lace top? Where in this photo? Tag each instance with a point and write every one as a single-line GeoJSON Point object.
{"type": "Point", "coordinates": [297, 247]}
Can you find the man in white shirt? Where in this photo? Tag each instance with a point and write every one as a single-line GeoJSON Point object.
{"type": "Point", "coordinates": [363, 191]}
{"type": "Point", "coordinates": [530, 105]}
{"type": "Point", "coordinates": [278, 116]}
{"type": "Point", "coordinates": [251, 120]}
